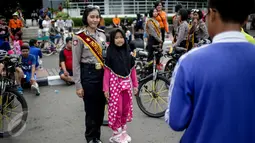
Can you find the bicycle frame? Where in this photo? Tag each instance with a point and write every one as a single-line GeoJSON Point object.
{"type": "Point", "coordinates": [155, 70]}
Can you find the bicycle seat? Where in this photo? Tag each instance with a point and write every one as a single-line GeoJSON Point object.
{"type": "Point", "coordinates": [156, 46]}
{"type": "Point", "coordinates": [180, 49]}
{"type": "Point", "coordinates": [142, 53]}
{"type": "Point", "coordinates": [139, 49]}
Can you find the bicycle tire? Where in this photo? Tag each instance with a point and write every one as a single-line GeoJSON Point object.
{"type": "Point", "coordinates": [138, 98]}
{"type": "Point", "coordinates": [105, 121]}
{"type": "Point", "coordinates": [24, 106]}
{"type": "Point", "coordinates": [169, 68]}
{"type": "Point", "coordinates": [140, 66]}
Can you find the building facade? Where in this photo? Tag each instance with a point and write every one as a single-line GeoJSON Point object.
{"type": "Point", "coordinates": [112, 7]}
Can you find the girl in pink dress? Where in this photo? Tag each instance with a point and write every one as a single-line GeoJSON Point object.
{"type": "Point", "coordinates": [119, 81]}
{"type": "Point", "coordinates": [17, 43]}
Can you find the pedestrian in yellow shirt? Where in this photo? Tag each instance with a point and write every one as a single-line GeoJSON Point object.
{"type": "Point", "coordinates": [248, 37]}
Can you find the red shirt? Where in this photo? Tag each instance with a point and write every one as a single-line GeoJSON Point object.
{"type": "Point", "coordinates": [66, 56]}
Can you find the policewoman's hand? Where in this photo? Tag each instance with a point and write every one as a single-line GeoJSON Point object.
{"type": "Point", "coordinates": [80, 92]}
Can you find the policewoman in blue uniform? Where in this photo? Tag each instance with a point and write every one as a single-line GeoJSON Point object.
{"type": "Point", "coordinates": [88, 48]}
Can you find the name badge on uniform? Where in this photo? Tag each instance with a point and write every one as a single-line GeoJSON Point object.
{"type": "Point", "coordinates": [98, 66]}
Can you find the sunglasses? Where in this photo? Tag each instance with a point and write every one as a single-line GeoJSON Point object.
{"type": "Point", "coordinates": [195, 10]}
{"type": "Point", "coordinates": [93, 6]}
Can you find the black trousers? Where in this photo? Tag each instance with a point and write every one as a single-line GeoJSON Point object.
{"type": "Point", "coordinates": [151, 42]}
{"type": "Point", "coordinates": [15, 31]}
{"type": "Point", "coordinates": [163, 31]}
{"type": "Point", "coordinates": [94, 100]}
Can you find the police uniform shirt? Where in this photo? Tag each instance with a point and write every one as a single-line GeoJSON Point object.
{"type": "Point", "coordinates": [82, 53]}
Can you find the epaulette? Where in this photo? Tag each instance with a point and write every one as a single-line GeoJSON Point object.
{"type": "Point", "coordinates": [100, 30]}
{"type": "Point", "coordinates": [80, 31]}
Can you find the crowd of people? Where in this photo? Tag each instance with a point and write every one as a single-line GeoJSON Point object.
{"type": "Point", "coordinates": [111, 69]}
{"type": "Point", "coordinates": [30, 52]}
{"type": "Point", "coordinates": [213, 76]}
{"type": "Point", "coordinates": [11, 42]}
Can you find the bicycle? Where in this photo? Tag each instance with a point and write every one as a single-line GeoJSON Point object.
{"type": "Point", "coordinates": [153, 92]}
{"type": "Point", "coordinates": [8, 94]}
{"type": "Point", "coordinates": [48, 47]}
{"type": "Point", "coordinates": [174, 56]}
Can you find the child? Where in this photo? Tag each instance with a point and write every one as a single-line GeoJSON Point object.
{"type": "Point", "coordinates": [17, 44]}
{"type": "Point", "coordinates": [119, 79]}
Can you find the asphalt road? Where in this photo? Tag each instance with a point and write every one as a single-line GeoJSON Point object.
{"type": "Point", "coordinates": [59, 118]}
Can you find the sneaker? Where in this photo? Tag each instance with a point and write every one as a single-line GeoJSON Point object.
{"type": "Point", "coordinates": [20, 90]}
{"type": "Point", "coordinates": [160, 66]}
{"type": "Point", "coordinates": [36, 88]}
{"type": "Point", "coordinates": [117, 137]}
{"type": "Point", "coordinates": [125, 135]}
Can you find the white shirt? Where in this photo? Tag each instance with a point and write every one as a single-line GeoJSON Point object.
{"type": "Point", "coordinates": [60, 23]}
{"type": "Point", "coordinates": [69, 23]}
{"type": "Point", "coordinates": [46, 25]}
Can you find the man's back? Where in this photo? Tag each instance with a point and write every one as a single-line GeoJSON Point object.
{"type": "Point", "coordinates": [214, 93]}
{"type": "Point", "coordinates": [37, 53]}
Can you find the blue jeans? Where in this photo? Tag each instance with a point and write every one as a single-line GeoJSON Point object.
{"type": "Point", "coordinates": [52, 38]}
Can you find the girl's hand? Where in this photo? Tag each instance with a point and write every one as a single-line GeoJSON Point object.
{"type": "Point", "coordinates": [106, 94]}
{"type": "Point", "coordinates": [135, 91]}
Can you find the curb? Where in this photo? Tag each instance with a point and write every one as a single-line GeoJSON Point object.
{"type": "Point", "coordinates": [50, 80]}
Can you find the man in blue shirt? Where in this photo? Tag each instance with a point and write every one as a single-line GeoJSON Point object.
{"type": "Point", "coordinates": [35, 51]}
{"type": "Point", "coordinates": [212, 91]}
{"type": "Point", "coordinates": [28, 68]}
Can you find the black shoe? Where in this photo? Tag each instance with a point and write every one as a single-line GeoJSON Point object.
{"type": "Point", "coordinates": [70, 83]}
{"type": "Point", "coordinates": [95, 141]}
{"type": "Point", "coordinates": [99, 141]}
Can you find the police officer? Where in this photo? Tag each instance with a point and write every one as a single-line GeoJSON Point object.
{"type": "Point", "coordinates": [88, 71]}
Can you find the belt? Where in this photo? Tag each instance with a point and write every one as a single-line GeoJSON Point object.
{"type": "Point", "coordinates": [96, 66]}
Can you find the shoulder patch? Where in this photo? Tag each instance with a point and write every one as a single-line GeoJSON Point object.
{"type": "Point", "coordinates": [100, 30]}
{"type": "Point", "coordinates": [75, 42]}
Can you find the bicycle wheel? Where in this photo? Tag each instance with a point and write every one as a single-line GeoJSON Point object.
{"type": "Point", "coordinates": [46, 48]}
{"type": "Point", "coordinates": [169, 68]}
{"type": "Point", "coordinates": [7, 121]}
{"type": "Point", "coordinates": [60, 44]}
{"type": "Point", "coordinates": [105, 122]}
{"type": "Point", "coordinates": [154, 95]}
